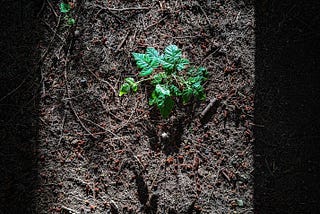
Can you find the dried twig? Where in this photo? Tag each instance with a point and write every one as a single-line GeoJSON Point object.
{"type": "Point", "coordinates": [69, 210]}
{"type": "Point", "coordinates": [123, 41]}
{"type": "Point", "coordinates": [14, 90]}
{"type": "Point", "coordinates": [209, 106]}
{"type": "Point", "coordinates": [63, 123]}
{"type": "Point", "coordinates": [51, 41]}
{"type": "Point", "coordinates": [101, 80]}
{"type": "Point", "coordinates": [129, 8]}
{"type": "Point", "coordinates": [154, 24]}
{"type": "Point", "coordinates": [204, 13]}
{"type": "Point", "coordinates": [52, 8]}
{"type": "Point", "coordinates": [119, 18]}
{"type": "Point", "coordinates": [71, 105]}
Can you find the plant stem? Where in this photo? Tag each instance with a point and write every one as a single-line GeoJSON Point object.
{"type": "Point", "coordinates": [143, 80]}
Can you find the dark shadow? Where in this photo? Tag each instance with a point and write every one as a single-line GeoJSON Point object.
{"type": "Point", "coordinates": [142, 187]}
{"type": "Point", "coordinates": [19, 104]}
{"type": "Point", "coordinates": [287, 95]}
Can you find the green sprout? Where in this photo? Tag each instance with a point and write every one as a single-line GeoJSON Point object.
{"type": "Point", "coordinates": [167, 73]}
{"type": "Point", "coordinates": [65, 8]}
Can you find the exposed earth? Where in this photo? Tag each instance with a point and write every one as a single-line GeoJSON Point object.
{"type": "Point", "coordinates": [70, 144]}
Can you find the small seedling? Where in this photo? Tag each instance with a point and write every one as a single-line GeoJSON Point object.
{"type": "Point", "coordinates": [167, 73]}
{"type": "Point", "coordinates": [65, 8]}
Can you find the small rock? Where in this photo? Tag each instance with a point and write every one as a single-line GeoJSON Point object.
{"type": "Point", "coordinates": [76, 33]}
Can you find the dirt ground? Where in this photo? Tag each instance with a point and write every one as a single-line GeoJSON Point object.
{"type": "Point", "coordinates": [97, 152]}
{"type": "Point", "coordinates": [70, 144]}
{"type": "Point", "coordinates": [102, 153]}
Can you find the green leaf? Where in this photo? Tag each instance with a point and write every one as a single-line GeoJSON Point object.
{"type": "Point", "coordinates": [202, 71]}
{"type": "Point", "coordinates": [182, 63]}
{"type": "Point", "coordinates": [142, 60]}
{"type": "Point", "coordinates": [71, 21]}
{"type": "Point", "coordinates": [198, 91]}
{"type": "Point", "coordinates": [64, 7]}
{"type": "Point", "coordinates": [157, 79]}
{"type": "Point", "coordinates": [125, 89]}
{"type": "Point", "coordinates": [146, 63]}
{"type": "Point", "coordinates": [168, 67]}
{"type": "Point", "coordinates": [134, 87]}
{"type": "Point", "coordinates": [146, 71]}
{"type": "Point", "coordinates": [152, 53]}
{"type": "Point", "coordinates": [196, 79]}
{"type": "Point", "coordinates": [186, 95]}
{"type": "Point", "coordinates": [175, 90]}
{"type": "Point", "coordinates": [129, 80]}
{"type": "Point", "coordinates": [153, 98]}
{"type": "Point", "coordinates": [167, 107]}
{"type": "Point", "coordinates": [132, 83]}
{"type": "Point", "coordinates": [172, 54]}
{"type": "Point", "coordinates": [161, 89]}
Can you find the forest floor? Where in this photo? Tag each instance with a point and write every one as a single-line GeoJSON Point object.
{"type": "Point", "coordinates": [98, 152]}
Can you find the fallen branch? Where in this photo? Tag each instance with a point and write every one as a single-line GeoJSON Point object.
{"type": "Point", "coordinates": [209, 106]}
{"type": "Point", "coordinates": [123, 41]}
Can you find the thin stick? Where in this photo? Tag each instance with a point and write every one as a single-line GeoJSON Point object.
{"type": "Point", "coordinates": [51, 41]}
{"type": "Point", "coordinates": [123, 41]}
{"type": "Point", "coordinates": [164, 18]}
{"type": "Point", "coordinates": [101, 80]}
{"type": "Point", "coordinates": [111, 13]}
{"type": "Point", "coordinates": [14, 90]}
{"type": "Point", "coordinates": [129, 8]}
{"type": "Point", "coordinates": [204, 13]}
{"type": "Point", "coordinates": [54, 12]}
{"type": "Point", "coordinates": [71, 105]}
{"type": "Point", "coordinates": [69, 209]}
{"type": "Point", "coordinates": [209, 106]}
{"type": "Point", "coordinates": [61, 133]}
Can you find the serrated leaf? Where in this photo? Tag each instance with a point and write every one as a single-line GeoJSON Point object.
{"type": "Point", "coordinates": [65, 7]}
{"type": "Point", "coordinates": [146, 71]}
{"type": "Point", "coordinates": [168, 67]}
{"type": "Point", "coordinates": [186, 95]}
{"type": "Point", "coordinates": [191, 71]}
{"type": "Point", "coordinates": [182, 64]}
{"type": "Point", "coordinates": [198, 91]}
{"type": "Point", "coordinates": [161, 89]}
{"type": "Point", "coordinates": [172, 54]}
{"type": "Point", "coordinates": [125, 89]}
{"type": "Point", "coordinates": [157, 79]}
{"type": "Point", "coordinates": [152, 53]}
{"type": "Point", "coordinates": [142, 60]}
{"type": "Point", "coordinates": [166, 107]}
{"type": "Point", "coordinates": [146, 63]}
{"type": "Point", "coordinates": [175, 90]}
{"type": "Point", "coordinates": [202, 71]}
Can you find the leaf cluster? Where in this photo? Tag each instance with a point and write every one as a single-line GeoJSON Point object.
{"type": "Point", "coordinates": [168, 74]}
{"type": "Point", "coordinates": [65, 8]}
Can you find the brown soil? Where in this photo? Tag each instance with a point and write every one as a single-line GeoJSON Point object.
{"type": "Point", "coordinates": [70, 144]}
{"type": "Point", "coordinates": [100, 152]}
